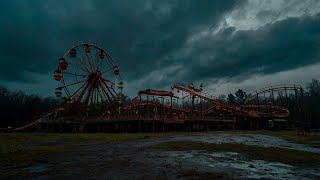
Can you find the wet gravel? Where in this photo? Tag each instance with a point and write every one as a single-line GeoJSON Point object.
{"type": "Point", "coordinates": [135, 160]}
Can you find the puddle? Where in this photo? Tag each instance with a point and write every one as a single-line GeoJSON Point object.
{"type": "Point", "coordinates": [38, 168]}
{"type": "Point", "coordinates": [248, 139]}
{"type": "Point", "coordinates": [236, 165]}
{"type": "Point", "coordinates": [48, 143]}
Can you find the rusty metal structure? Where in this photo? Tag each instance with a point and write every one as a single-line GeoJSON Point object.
{"type": "Point", "coordinates": [92, 86]}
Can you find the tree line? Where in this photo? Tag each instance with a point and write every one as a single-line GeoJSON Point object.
{"type": "Point", "coordinates": [18, 108]}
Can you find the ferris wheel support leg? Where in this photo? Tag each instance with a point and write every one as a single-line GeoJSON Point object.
{"type": "Point", "coordinates": [83, 91]}
{"type": "Point", "coordinates": [47, 128]}
{"type": "Point", "coordinates": [53, 125]}
{"type": "Point", "coordinates": [113, 96]}
{"type": "Point", "coordinates": [103, 90]}
{"type": "Point", "coordinates": [60, 125]}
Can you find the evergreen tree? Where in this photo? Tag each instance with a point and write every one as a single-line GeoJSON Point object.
{"type": "Point", "coordinates": [241, 96]}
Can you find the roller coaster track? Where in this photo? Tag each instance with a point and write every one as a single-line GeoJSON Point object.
{"type": "Point", "coordinates": [226, 106]}
{"type": "Point", "coordinates": [285, 87]}
{"type": "Point", "coordinates": [131, 104]}
{"type": "Point", "coordinates": [38, 120]}
{"type": "Point", "coordinates": [247, 110]}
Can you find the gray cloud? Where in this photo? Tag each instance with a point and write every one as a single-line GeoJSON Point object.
{"type": "Point", "coordinates": [157, 43]}
{"type": "Point", "coordinates": [237, 55]}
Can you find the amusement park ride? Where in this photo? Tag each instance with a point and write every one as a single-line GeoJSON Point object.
{"type": "Point", "coordinates": [90, 84]}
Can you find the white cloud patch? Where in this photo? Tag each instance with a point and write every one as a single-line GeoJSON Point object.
{"type": "Point", "coordinates": [257, 14]}
{"type": "Point", "coordinates": [297, 76]}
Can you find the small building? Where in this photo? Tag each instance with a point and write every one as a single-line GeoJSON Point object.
{"type": "Point", "coordinates": [278, 124]}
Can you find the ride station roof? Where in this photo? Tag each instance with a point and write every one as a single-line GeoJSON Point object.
{"type": "Point", "coordinates": [156, 92]}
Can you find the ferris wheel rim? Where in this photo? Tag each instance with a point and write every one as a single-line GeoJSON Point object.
{"type": "Point", "coordinates": [83, 84]}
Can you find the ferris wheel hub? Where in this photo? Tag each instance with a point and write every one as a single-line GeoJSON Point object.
{"type": "Point", "coordinates": [98, 74]}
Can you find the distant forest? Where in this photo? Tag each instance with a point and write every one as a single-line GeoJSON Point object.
{"type": "Point", "coordinates": [17, 108]}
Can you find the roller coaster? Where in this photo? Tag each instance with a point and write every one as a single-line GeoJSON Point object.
{"type": "Point", "coordinates": [93, 101]}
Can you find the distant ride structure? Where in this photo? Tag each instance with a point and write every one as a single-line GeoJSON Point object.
{"type": "Point", "coordinates": [90, 85]}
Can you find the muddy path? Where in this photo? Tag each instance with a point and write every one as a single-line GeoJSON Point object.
{"type": "Point", "coordinates": [136, 160]}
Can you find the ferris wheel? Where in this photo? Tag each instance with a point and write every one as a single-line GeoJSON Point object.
{"type": "Point", "coordinates": [88, 75]}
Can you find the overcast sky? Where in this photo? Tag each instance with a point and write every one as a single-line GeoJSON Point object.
{"type": "Point", "coordinates": [224, 44]}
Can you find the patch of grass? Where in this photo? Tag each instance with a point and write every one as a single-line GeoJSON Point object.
{"type": "Point", "coordinates": [15, 173]}
{"type": "Point", "coordinates": [292, 136]}
{"type": "Point", "coordinates": [288, 135]}
{"type": "Point", "coordinates": [15, 142]}
{"type": "Point", "coordinates": [119, 162]}
{"type": "Point", "coordinates": [283, 155]}
{"type": "Point", "coordinates": [194, 174]}
{"type": "Point", "coordinates": [19, 150]}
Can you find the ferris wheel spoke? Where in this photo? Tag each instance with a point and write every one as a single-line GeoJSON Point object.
{"type": "Point", "coordinates": [89, 96]}
{"type": "Point", "coordinates": [91, 100]}
{"type": "Point", "coordinates": [114, 96]}
{"type": "Point", "coordinates": [96, 100]}
{"type": "Point", "coordinates": [102, 96]}
{"type": "Point", "coordinates": [108, 88]}
{"type": "Point", "coordinates": [104, 90]}
{"type": "Point", "coordinates": [112, 83]}
{"type": "Point", "coordinates": [79, 64]}
{"type": "Point", "coordinates": [92, 57]}
{"type": "Point", "coordinates": [78, 90]}
{"type": "Point", "coordinates": [97, 59]}
{"type": "Point", "coordinates": [107, 70]}
{"type": "Point", "coordinates": [93, 94]}
{"type": "Point", "coordinates": [64, 86]}
{"type": "Point", "coordinates": [102, 61]}
{"type": "Point", "coordinates": [114, 91]}
{"type": "Point", "coordinates": [100, 64]}
{"type": "Point", "coordinates": [84, 90]}
{"type": "Point", "coordinates": [97, 96]}
{"type": "Point", "coordinates": [76, 67]}
{"type": "Point", "coordinates": [87, 61]}
{"type": "Point", "coordinates": [73, 74]}
{"type": "Point", "coordinates": [105, 93]}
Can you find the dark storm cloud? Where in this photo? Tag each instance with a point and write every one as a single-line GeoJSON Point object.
{"type": "Point", "coordinates": [237, 55]}
{"type": "Point", "coordinates": [155, 43]}
{"type": "Point", "coordinates": [283, 45]}
{"type": "Point", "coordinates": [35, 34]}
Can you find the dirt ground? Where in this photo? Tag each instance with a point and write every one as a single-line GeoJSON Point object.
{"type": "Point", "coordinates": [138, 159]}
